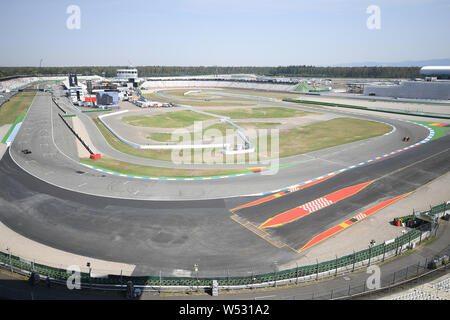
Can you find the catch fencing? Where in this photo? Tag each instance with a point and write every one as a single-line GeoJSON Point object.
{"type": "Point", "coordinates": [347, 264]}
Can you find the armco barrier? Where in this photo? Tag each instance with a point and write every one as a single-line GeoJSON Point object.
{"type": "Point", "coordinates": [54, 101]}
{"type": "Point", "coordinates": [317, 271]}
{"type": "Point", "coordinates": [76, 134]}
{"type": "Point", "coordinates": [157, 146]}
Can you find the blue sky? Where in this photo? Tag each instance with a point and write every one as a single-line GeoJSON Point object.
{"type": "Point", "coordinates": [225, 33]}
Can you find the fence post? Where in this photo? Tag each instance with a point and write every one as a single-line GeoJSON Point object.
{"type": "Point", "coordinates": [384, 250]}
{"type": "Point", "coordinates": [420, 239]}
{"type": "Point", "coordinates": [317, 271]}
{"type": "Point", "coordinates": [253, 279]}
{"type": "Point", "coordinates": [276, 273]}
{"type": "Point", "coordinates": [354, 260]}
{"type": "Point", "coordinates": [335, 274]}
{"type": "Point", "coordinates": [296, 273]}
{"type": "Point", "coordinates": [10, 263]}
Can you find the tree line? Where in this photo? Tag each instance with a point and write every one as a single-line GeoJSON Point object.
{"type": "Point", "coordinates": [166, 71]}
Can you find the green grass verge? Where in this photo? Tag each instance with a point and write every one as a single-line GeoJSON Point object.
{"type": "Point", "coordinates": [304, 87]}
{"type": "Point", "coordinates": [177, 119]}
{"type": "Point", "coordinates": [328, 134]}
{"type": "Point", "coordinates": [439, 132]}
{"type": "Point", "coordinates": [149, 171]}
{"type": "Point", "coordinates": [167, 137]}
{"type": "Point", "coordinates": [15, 107]}
{"type": "Point", "coordinates": [269, 112]}
{"type": "Point", "coordinates": [257, 125]}
{"type": "Point", "coordinates": [195, 103]}
{"type": "Point", "coordinates": [18, 120]}
{"type": "Point", "coordinates": [291, 142]}
{"type": "Point", "coordinates": [163, 155]}
{"type": "Point", "coordinates": [205, 94]}
{"type": "Point", "coordinates": [96, 110]}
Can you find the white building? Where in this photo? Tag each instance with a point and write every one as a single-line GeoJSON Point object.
{"type": "Point", "coordinates": [127, 73]}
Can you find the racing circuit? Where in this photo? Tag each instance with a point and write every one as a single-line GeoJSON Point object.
{"type": "Point", "coordinates": [236, 223]}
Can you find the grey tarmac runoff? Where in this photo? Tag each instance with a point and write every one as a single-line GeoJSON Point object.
{"type": "Point", "coordinates": [169, 226]}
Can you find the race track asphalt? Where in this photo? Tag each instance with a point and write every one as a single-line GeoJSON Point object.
{"type": "Point", "coordinates": [170, 236]}
{"type": "Point", "coordinates": [53, 160]}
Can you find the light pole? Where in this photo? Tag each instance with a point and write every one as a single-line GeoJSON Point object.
{"type": "Point", "coordinates": [160, 281]}
{"type": "Point", "coordinates": [253, 279]}
{"type": "Point", "coordinates": [9, 254]}
{"type": "Point", "coordinates": [89, 266]}
{"type": "Point", "coordinates": [275, 267]}
{"type": "Point", "coordinates": [371, 244]}
{"type": "Point", "coordinates": [196, 271]}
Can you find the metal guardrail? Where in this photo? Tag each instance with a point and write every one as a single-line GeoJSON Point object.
{"type": "Point", "coordinates": [76, 134]}
{"type": "Point", "coordinates": [412, 275]}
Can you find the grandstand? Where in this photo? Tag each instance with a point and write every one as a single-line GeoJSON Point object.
{"type": "Point", "coordinates": [10, 86]}
{"type": "Point", "coordinates": [436, 90]}
{"type": "Point", "coordinates": [255, 83]}
{"type": "Point", "coordinates": [436, 290]}
{"type": "Point", "coordinates": [16, 83]}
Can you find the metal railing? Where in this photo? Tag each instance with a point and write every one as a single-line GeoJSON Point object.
{"type": "Point", "coordinates": [346, 264]}
{"type": "Point", "coordinates": [413, 275]}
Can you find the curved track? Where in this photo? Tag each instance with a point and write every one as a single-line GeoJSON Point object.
{"type": "Point", "coordinates": [48, 197]}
